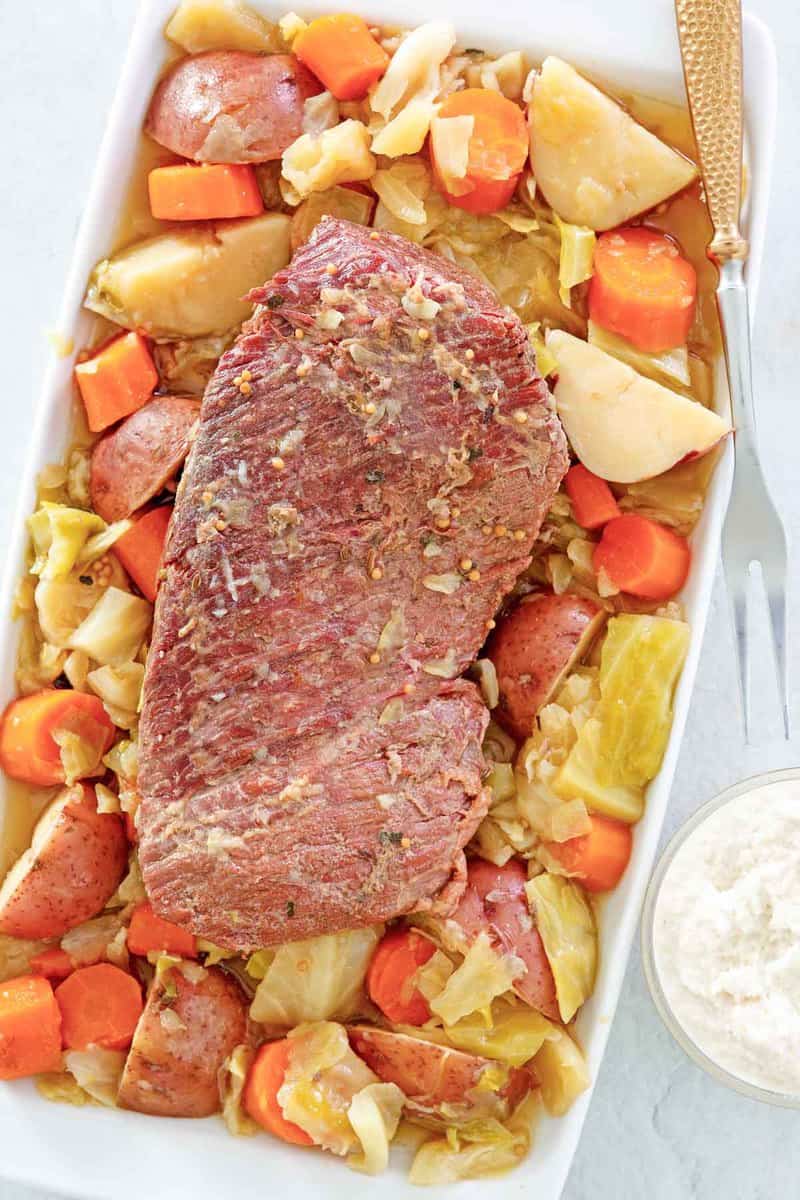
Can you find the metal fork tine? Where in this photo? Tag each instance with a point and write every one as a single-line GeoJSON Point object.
{"type": "Point", "coordinates": [776, 596]}
{"type": "Point", "coordinates": [737, 582]}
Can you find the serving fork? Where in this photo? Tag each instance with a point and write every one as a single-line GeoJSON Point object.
{"type": "Point", "coordinates": [710, 36]}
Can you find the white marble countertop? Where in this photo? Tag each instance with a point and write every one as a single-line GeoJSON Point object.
{"type": "Point", "coordinates": [657, 1126]}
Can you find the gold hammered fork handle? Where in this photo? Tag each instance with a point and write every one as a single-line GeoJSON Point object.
{"type": "Point", "coordinates": [710, 34]}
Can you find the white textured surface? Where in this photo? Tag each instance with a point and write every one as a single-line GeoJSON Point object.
{"type": "Point", "coordinates": [657, 1127]}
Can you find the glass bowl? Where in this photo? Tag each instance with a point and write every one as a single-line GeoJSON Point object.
{"type": "Point", "coordinates": [690, 1048]}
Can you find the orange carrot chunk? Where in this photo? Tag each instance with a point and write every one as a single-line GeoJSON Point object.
{"type": "Point", "coordinates": [643, 558]}
{"type": "Point", "coordinates": [149, 932]}
{"type": "Point", "coordinates": [30, 1028]}
{"type": "Point", "coordinates": [100, 1006]}
{"type": "Point", "coordinates": [28, 747]}
{"type": "Point", "coordinates": [141, 549]}
{"type": "Point", "coordinates": [54, 963]}
{"type": "Point", "coordinates": [498, 148]}
{"type": "Point", "coordinates": [643, 288]}
{"type": "Point", "coordinates": [593, 503]}
{"type": "Point", "coordinates": [204, 192]}
{"type": "Point", "coordinates": [117, 380]}
{"type": "Point", "coordinates": [260, 1096]}
{"type": "Point", "coordinates": [341, 51]}
{"type": "Point", "coordinates": [391, 974]}
{"type": "Point", "coordinates": [597, 859]}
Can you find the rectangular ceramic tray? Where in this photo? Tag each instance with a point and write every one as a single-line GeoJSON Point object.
{"type": "Point", "coordinates": [94, 1152]}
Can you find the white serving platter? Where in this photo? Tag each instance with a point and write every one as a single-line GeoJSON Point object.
{"type": "Point", "coordinates": [93, 1152]}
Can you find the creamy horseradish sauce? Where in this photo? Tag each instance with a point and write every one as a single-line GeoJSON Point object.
{"type": "Point", "coordinates": [727, 936]}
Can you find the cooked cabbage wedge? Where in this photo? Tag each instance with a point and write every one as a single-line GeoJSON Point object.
{"type": "Point", "coordinates": [322, 1078]}
{"type": "Point", "coordinates": [671, 367]}
{"type": "Point", "coordinates": [511, 1033]}
{"type": "Point", "coordinates": [640, 664]}
{"type": "Point", "coordinates": [120, 689]}
{"type": "Point", "coordinates": [89, 942]}
{"type": "Point", "coordinates": [81, 759]}
{"type": "Point", "coordinates": [62, 1088]}
{"type": "Point", "coordinates": [185, 366]}
{"type": "Point", "coordinates": [580, 777]}
{"type": "Point", "coordinates": [64, 604]}
{"type": "Point", "coordinates": [338, 155]}
{"type": "Point", "coordinates": [500, 781]}
{"type": "Point", "coordinates": [621, 747]}
{"type": "Point", "coordinates": [562, 1072]}
{"type": "Point", "coordinates": [190, 284]}
{"type": "Point", "coordinates": [480, 1148]}
{"type": "Point", "coordinates": [430, 979]}
{"type": "Point", "coordinates": [316, 979]}
{"type": "Point", "coordinates": [484, 974]}
{"type": "Point", "coordinates": [114, 629]}
{"type": "Point", "coordinates": [16, 955]}
{"type": "Point", "coordinates": [546, 362]}
{"type": "Point", "coordinates": [233, 1077]}
{"type": "Point", "coordinates": [97, 1072]}
{"type": "Point", "coordinates": [676, 497]}
{"type": "Point", "coordinates": [335, 202]}
{"type": "Point", "coordinates": [568, 930]}
{"type": "Point", "coordinates": [576, 260]}
{"type": "Point", "coordinates": [374, 1115]}
{"type": "Point", "coordinates": [59, 534]}
{"type": "Point", "coordinates": [198, 25]}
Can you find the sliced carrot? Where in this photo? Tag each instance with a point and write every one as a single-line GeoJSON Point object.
{"type": "Point", "coordinates": [117, 380]}
{"type": "Point", "coordinates": [100, 1006]}
{"type": "Point", "coordinates": [141, 549]}
{"type": "Point", "coordinates": [54, 963]}
{"type": "Point", "coordinates": [597, 859]}
{"type": "Point", "coordinates": [149, 932]}
{"type": "Point", "coordinates": [204, 192]}
{"type": "Point", "coordinates": [30, 1028]}
{"type": "Point", "coordinates": [261, 1093]}
{"type": "Point", "coordinates": [341, 51]}
{"type": "Point", "coordinates": [643, 288]}
{"type": "Point", "coordinates": [391, 972]}
{"type": "Point", "coordinates": [593, 503]}
{"type": "Point", "coordinates": [28, 749]}
{"type": "Point", "coordinates": [498, 148]}
{"type": "Point", "coordinates": [643, 558]}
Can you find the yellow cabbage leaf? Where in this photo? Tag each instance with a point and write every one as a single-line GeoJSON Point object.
{"type": "Point", "coordinates": [510, 1033]}
{"type": "Point", "coordinates": [484, 974]}
{"type": "Point", "coordinates": [374, 1115]}
{"type": "Point", "coordinates": [59, 534]}
{"type": "Point", "coordinates": [315, 980]}
{"type": "Point", "coordinates": [562, 1072]}
{"type": "Point", "coordinates": [567, 926]}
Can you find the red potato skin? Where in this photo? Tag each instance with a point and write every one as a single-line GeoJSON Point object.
{"type": "Point", "coordinates": [132, 463]}
{"type": "Point", "coordinates": [494, 901]}
{"type": "Point", "coordinates": [431, 1075]}
{"type": "Point", "coordinates": [533, 648]}
{"type": "Point", "coordinates": [232, 107]}
{"type": "Point", "coordinates": [174, 1074]}
{"type": "Point", "coordinates": [71, 876]}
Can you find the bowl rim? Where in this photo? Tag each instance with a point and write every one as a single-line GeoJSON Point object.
{"type": "Point", "coordinates": [647, 939]}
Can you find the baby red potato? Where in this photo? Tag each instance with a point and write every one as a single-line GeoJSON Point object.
{"type": "Point", "coordinates": [227, 106]}
{"type": "Point", "coordinates": [134, 461]}
{"type": "Point", "coordinates": [533, 649]}
{"type": "Point", "coordinates": [75, 863]}
{"type": "Point", "coordinates": [172, 1067]}
{"type": "Point", "coordinates": [494, 901]}
{"type": "Point", "coordinates": [440, 1084]}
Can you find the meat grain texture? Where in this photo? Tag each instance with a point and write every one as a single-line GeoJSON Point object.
{"type": "Point", "coordinates": [375, 456]}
